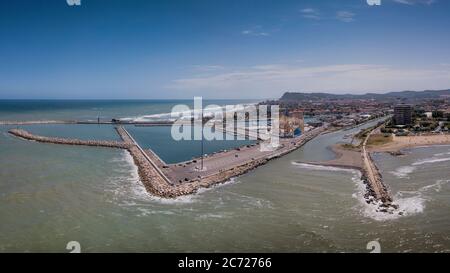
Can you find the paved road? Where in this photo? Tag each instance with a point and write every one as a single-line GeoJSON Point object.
{"type": "Point", "coordinates": [219, 162]}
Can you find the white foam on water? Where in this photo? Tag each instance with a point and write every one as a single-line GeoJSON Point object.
{"type": "Point", "coordinates": [441, 154]}
{"type": "Point", "coordinates": [408, 206]}
{"type": "Point", "coordinates": [130, 187]}
{"type": "Point", "coordinates": [431, 145]}
{"type": "Point", "coordinates": [143, 211]}
{"type": "Point", "coordinates": [409, 202]}
{"type": "Point", "coordinates": [187, 199]}
{"type": "Point", "coordinates": [130, 191]}
{"type": "Point", "coordinates": [323, 167]}
{"type": "Point", "coordinates": [403, 172]}
{"type": "Point", "coordinates": [251, 202]}
{"type": "Point", "coordinates": [213, 216]}
{"type": "Point", "coordinates": [430, 160]}
{"type": "Point", "coordinates": [437, 187]}
{"type": "Point", "coordinates": [207, 111]}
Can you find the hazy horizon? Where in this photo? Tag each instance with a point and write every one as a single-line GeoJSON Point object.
{"type": "Point", "coordinates": [205, 98]}
{"type": "Point", "coordinates": [256, 49]}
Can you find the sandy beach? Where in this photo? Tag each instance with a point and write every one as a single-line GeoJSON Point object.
{"type": "Point", "coordinates": [402, 142]}
{"type": "Point", "coordinates": [345, 158]}
{"type": "Point", "coordinates": [350, 157]}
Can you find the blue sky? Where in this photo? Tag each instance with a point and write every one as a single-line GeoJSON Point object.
{"type": "Point", "coordinates": [221, 49]}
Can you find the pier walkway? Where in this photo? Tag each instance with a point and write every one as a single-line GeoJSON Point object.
{"type": "Point", "coordinates": [67, 141]}
{"type": "Point", "coordinates": [174, 180]}
{"type": "Point", "coordinates": [374, 179]}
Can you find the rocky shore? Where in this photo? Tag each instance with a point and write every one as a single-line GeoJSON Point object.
{"type": "Point", "coordinates": [67, 141]}
{"type": "Point", "coordinates": [157, 184]}
{"type": "Point", "coordinates": [31, 122]}
{"type": "Point", "coordinates": [152, 177]}
{"type": "Point", "coordinates": [376, 192]}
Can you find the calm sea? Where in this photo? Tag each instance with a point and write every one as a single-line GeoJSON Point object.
{"type": "Point", "coordinates": [53, 194]}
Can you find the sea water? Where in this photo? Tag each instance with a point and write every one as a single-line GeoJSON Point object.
{"type": "Point", "coordinates": [53, 194]}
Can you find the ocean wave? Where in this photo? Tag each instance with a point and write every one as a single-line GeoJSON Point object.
{"type": "Point", "coordinates": [408, 206]}
{"type": "Point", "coordinates": [126, 185]}
{"type": "Point", "coordinates": [213, 216]}
{"type": "Point", "coordinates": [409, 202]}
{"type": "Point", "coordinates": [324, 168]}
{"type": "Point", "coordinates": [430, 160]}
{"type": "Point", "coordinates": [442, 154]}
{"type": "Point", "coordinates": [130, 191]}
{"type": "Point", "coordinates": [437, 187]}
{"type": "Point", "coordinates": [143, 211]}
{"type": "Point", "coordinates": [251, 202]}
{"type": "Point", "coordinates": [207, 111]}
{"type": "Point", "coordinates": [403, 172]}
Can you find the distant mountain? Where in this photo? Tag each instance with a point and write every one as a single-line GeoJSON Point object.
{"type": "Point", "coordinates": [409, 95]}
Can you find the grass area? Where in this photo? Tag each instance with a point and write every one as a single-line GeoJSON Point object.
{"type": "Point", "coordinates": [349, 146]}
{"type": "Point", "coordinates": [363, 133]}
{"type": "Point", "coordinates": [379, 139]}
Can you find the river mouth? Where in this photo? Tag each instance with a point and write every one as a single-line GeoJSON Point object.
{"type": "Point", "coordinates": [93, 195]}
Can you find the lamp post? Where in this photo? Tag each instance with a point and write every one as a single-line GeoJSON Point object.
{"type": "Point", "coordinates": [202, 141]}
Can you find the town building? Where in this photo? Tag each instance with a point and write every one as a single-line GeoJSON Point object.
{"type": "Point", "coordinates": [403, 114]}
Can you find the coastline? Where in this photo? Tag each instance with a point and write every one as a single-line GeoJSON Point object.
{"type": "Point", "coordinates": [345, 158]}
{"type": "Point", "coordinates": [403, 142]}
{"type": "Point", "coordinates": [351, 158]}
{"type": "Point", "coordinates": [155, 179]}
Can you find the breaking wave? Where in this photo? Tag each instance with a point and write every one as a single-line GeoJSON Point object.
{"type": "Point", "coordinates": [211, 111]}
{"type": "Point", "coordinates": [437, 187]}
{"type": "Point", "coordinates": [324, 168]}
{"type": "Point", "coordinates": [430, 160]}
{"type": "Point", "coordinates": [129, 190]}
{"type": "Point", "coordinates": [409, 204]}
{"type": "Point", "coordinates": [441, 154]}
{"type": "Point", "coordinates": [403, 172]}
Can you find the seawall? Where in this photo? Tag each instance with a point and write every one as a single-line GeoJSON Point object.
{"type": "Point", "coordinates": [150, 173]}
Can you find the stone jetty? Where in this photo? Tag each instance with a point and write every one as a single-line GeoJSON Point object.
{"type": "Point", "coordinates": [376, 190]}
{"type": "Point", "coordinates": [31, 122]}
{"type": "Point", "coordinates": [360, 159]}
{"type": "Point", "coordinates": [153, 171]}
{"type": "Point", "coordinates": [68, 141]}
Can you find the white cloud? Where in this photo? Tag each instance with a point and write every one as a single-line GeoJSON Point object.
{"type": "Point", "coordinates": [207, 68]}
{"type": "Point", "coordinates": [413, 2]}
{"type": "Point", "coordinates": [255, 31]}
{"type": "Point", "coordinates": [345, 16]}
{"type": "Point", "coordinates": [273, 79]}
{"type": "Point", "coordinates": [310, 13]}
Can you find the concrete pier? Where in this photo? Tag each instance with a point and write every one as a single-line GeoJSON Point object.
{"type": "Point", "coordinates": [174, 180]}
